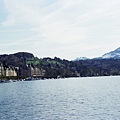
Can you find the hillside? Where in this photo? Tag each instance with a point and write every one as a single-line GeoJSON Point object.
{"type": "Point", "coordinates": [16, 59]}
{"type": "Point", "coordinates": [99, 67]}
{"type": "Point", "coordinates": [55, 67]}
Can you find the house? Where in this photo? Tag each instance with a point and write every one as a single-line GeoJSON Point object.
{"type": "Point", "coordinates": [21, 72]}
{"type": "Point", "coordinates": [30, 71]}
{"type": "Point", "coordinates": [8, 71]}
{"type": "Point", "coordinates": [1, 69]}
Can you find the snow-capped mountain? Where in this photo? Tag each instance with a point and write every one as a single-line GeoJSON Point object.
{"type": "Point", "coordinates": [81, 58]}
{"type": "Point", "coordinates": [110, 55]}
{"type": "Point", "coordinates": [113, 54]}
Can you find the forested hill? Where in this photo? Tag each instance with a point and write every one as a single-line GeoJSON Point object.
{"type": "Point", "coordinates": [15, 59]}
{"type": "Point", "coordinates": [64, 68]}
{"type": "Point", "coordinates": [100, 67]}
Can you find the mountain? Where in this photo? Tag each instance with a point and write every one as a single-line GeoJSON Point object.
{"type": "Point", "coordinates": [110, 55]}
{"type": "Point", "coordinates": [113, 54]}
{"type": "Point", "coordinates": [81, 58]}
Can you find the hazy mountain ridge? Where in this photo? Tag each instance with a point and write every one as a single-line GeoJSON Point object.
{"type": "Point", "coordinates": [81, 58]}
{"type": "Point", "coordinates": [110, 55]}
{"type": "Point", "coordinates": [113, 54]}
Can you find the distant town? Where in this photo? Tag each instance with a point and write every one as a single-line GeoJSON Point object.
{"type": "Point", "coordinates": [25, 66]}
{"type": "Point", "coordinates": [11, 72]}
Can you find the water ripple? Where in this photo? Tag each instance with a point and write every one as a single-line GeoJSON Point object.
{"type": "Point", "coordinates": [69, 99]}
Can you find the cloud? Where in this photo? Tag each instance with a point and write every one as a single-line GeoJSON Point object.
{"type": "Point", "coordinates": [64, 25]}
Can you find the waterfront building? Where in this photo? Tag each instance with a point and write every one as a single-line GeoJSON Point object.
{"type": "Point", "coordinates": [7, 71]}
{"type": "Point", "coordinates": [30, 71]}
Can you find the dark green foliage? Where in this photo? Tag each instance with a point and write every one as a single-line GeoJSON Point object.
{"type": "Point", "coordinates": [102, 67]}
{"type": "Point", "coordinates": [56, 67]}
{"type": "Point", "coordinates": [17, 59]}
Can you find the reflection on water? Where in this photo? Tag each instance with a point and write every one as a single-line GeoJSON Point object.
{"type": "Point", "coordinates": [95, 98]}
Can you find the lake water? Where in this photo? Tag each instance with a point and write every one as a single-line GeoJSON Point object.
{"type": "Point", "coordinates": [95, 98]}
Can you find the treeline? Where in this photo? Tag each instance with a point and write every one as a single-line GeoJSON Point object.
{"type": "Point", "coordinates": [84, 68]}
{"type": "Point", "coordinates": [56, 67]}
{"type": "Point", "coordinates": [101, 67]}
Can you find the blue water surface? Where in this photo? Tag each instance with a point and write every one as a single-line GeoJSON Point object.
{"type": "Point", "coordinates": [90, 98]}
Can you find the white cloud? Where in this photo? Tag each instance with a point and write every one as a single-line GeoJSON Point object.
{"type": "Point", "coordinates": [76, 27]}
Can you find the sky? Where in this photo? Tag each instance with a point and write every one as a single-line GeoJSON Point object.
{"type": "Point", "coordinates": [60, 28]}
